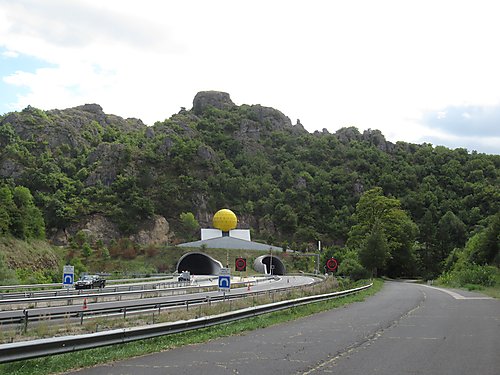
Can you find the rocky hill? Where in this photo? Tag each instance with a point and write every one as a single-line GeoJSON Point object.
{"type": "Point", "coordinates": [115, 177]}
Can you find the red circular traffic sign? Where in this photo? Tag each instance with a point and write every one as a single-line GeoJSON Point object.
{"type": "Point", "coordinates": [331, 264]}
{"type": "Point", "coordinates": [240, 264]}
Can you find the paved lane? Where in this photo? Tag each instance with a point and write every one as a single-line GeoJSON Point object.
{"type": "Point", "coordinates": [404, 329]}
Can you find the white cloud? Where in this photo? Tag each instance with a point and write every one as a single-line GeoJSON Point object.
{"type": "Point", "coordinates": [10, 54]}
{"type": "Point", "coordinates": [381, 65]}
{"type": "Point", "coordinates": [441, 115]}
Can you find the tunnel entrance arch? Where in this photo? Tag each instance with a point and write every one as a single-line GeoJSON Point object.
{"type": "Point", "coordinates": [198, 264]}
{"type": "Point", "coordinates": [269, 264]}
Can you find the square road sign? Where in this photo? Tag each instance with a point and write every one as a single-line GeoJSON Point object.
{"type": "Point", "coordinates": [68, 276]}
{"type": "Point", "coordinates": [224, 282]}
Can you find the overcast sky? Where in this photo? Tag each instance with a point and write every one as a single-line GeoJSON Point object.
{"type": "Point", "coordinates": [419, 71]}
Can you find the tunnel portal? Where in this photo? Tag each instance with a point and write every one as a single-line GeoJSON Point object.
{"type": "Point", "coordinates": [264, 264]}
{"type": "Point", "coordinates": [198, 264]}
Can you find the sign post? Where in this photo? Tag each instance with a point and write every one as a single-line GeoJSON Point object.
{"type": "Point", "coordinates": [68, 276]}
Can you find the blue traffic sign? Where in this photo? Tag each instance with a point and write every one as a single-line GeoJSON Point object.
{"type": "Point", "coordinates": [68, 276]}
{"type": "Point", "coordinates": [224, 282]}
{"type": "Point", "coordinates": [68, 279]}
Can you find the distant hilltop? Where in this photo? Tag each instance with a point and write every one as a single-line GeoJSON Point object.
{"type": "Point", "coordinates": [116, 178]}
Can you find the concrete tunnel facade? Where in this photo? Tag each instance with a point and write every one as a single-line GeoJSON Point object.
{"type": "Point", "coordinates": [198, 264]}
{"type": "Point", "coordinates": [202, 264]}
{"type": "Point", "coordinates": [263, 264]}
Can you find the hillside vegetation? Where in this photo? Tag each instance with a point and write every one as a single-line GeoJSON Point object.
{"type": "Point", "coordinates": [395, 209]}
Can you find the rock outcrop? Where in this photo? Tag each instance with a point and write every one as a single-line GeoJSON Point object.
{"type": "Point", "coordinates": [76, 128]}
{"type": "Point", "coordinates": [105, 161]}
{"type": "Point", "coordinates": [96, 227]}
{"type": "Point", "coordinates": [216, 99]}
{"type": "Point", "coordinates": [375, 137]}
{"type": "Point", "coordinates": [155, 231]}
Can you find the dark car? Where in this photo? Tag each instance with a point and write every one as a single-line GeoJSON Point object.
{"type": "Point", "coordinates": [90, 281]}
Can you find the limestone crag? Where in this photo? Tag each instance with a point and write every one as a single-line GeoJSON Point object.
{"type": "Point", "coordinates": [216, 99]}
{"type": "Point", "coordinates": [375, 137]}
{"type": "Point", "coordinates": [155, 231]}
{"type": "Point", "coordinates": [106, 160]}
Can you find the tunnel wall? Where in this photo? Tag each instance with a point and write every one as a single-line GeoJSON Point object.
{"type": "Point", "coordinates": [198, 264]}
{"type": "Point", "coordinates": [262, 264]}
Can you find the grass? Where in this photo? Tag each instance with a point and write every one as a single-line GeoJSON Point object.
{"type": "Point", "coordinates": [91, 357]}
{"type": "Point", "coordinates": [36, 260]}
{"type": "Point", "coordinates": [492, 291]}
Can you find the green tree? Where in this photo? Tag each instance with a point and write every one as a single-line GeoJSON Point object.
{"type": "Point", "coordinates": [372, 207]}
{"type": "Point", "coordinates": [451, 233]}
{"type": "Point", "coordinates": [27, 221]}
{"type": "Point", "coordinates": [379, 216]}
{"type": "Point", "coordinates": [86, 250]}
{"type": "Point", "coordinates": [189, 224]}
{"type": "Point", "coordinates": [402, 233]}
{"type": "Point", "coordinates": [285, 218]}
{"type": "Point", "coordinates": [487, 250]}
{"type": "Point", "coordinates": [374, 253]}
{"type": "Point", "coordinates": [6, 208]}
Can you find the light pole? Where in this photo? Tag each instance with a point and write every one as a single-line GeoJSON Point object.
{"type": "Point", "coordinates": [271, 263]}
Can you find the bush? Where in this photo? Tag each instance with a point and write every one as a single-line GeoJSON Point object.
{"type": "Point", "coordinates": [7, 276]}
{"type": "Point", "coordinates": [124, 248]}
{"type": "Point", "coordinates": [29, 276]}
{"type": "Point", "coordinates": [86, 250]}
{"type": "Point", "coordinates": [352, 268]}
{"type": "Point", "coordinates": [105, 253]}
{"type": "Point", "coordinates": [152, 251]}
{"type": "Point", "coordinates": [79, 266]}
{"type": "Point", "coordinates": [129, 253]}
{"type": "Point", "coordinates": [473, 274]}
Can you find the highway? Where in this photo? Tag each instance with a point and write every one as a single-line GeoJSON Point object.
{"type": "Point", "coordinates": [178, 296]}
{"type": "Point", "coordinates": [404, 329]}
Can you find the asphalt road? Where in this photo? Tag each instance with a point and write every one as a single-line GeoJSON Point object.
{"type": "Point", "coordinates": [404, 329]}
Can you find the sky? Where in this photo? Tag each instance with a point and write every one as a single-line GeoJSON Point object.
{"type": "Point", "coordinates": [419, 71]}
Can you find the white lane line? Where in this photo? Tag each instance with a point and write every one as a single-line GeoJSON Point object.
{"type": "Point", "coordinates": [453, 294]}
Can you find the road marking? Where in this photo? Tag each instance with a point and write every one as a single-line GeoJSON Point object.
{"type": "Point", "coordinates": [453, 294]}
{"type": "Point", "coordinates": [365, 342]}
{"type": "Point", "coordinates": [414, 338]}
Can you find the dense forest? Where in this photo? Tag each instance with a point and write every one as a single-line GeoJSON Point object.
{"type": "Point", "coordinates": [397, 209]}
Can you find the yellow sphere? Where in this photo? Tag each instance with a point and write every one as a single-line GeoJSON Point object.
{"type": "Point", "coordinates": [225, 220]}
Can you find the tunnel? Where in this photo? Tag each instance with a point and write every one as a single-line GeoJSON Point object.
{"type": "Point", "coordinates": [198, 264]}
{"type": "Point", "coordinates": [264, 263]}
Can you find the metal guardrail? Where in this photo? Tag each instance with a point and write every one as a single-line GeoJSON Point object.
{"type": "Point", "coordinates": [27, 315]}
{"type": "Point", "coordinates": [96, 293]}
{"type": "Point", "coordinates": [81, 294]}
{"type": "Point", "coordinates": [37, 296]}
{"type": "Point", "coordinates": [47, 287]}
{"type": "Point", "coordinates": [58, 345]}
{"type": "Point", "coordinates": [40, 296]}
